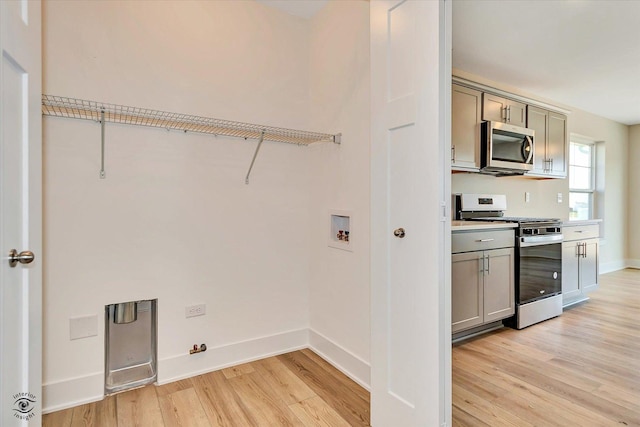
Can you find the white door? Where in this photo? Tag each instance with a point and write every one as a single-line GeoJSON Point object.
{"type": "Point", "coordinates": [410, 309]}
{"type": "Point", "coordinates": [20, 214]}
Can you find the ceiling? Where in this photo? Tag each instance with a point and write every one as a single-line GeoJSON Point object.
{"type": "Point", "coordinates": [582, 53]}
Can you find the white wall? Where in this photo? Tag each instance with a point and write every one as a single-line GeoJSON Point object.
{"type": "Point", "coordinates": [174, 220]}
{"type": "Point", "coordinates": [544, 192]}
{"type": "Point", "coordinates": [340, 91]}
{"type": "Point", "coordinates": [613, 249]}
{"type": "Point", "coordinates": [634, 197]}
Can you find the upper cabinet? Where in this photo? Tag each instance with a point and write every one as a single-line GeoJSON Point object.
{"type": "Point", "coordinates": [472, 104]}
{"type": "Point", "coordinates": [550, 142]}
{"type": "Point", "coordinates": [498, 109]}
{"type": "Point", "coordinates": [466, 112]}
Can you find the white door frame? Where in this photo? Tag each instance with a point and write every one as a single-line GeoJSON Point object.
{"type": "Point", "coordinates": [446, 47]}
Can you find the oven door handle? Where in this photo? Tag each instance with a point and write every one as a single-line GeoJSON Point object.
{"type": "Point", "coordinates": [540, 240]}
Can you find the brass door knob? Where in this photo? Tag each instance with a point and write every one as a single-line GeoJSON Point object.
{"type": "Point", "coordinates": [399, 232]}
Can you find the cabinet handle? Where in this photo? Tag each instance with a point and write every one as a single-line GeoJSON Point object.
{"type": "Point", "coordinates": [488, 265]}
{"type": "Point", "coordinates": [509, 114]}
{"type": "Point", "coordinates": [584, 253]}
{"type": "Point", "coordinates": [578, 252]}
{"type": "Point", "coordinates": [453, 154]}
{"type": "Point", "coordinates": [485, 240]}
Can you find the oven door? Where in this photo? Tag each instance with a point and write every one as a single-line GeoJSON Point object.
{"type": "Point", "coordinates": [540, 271]}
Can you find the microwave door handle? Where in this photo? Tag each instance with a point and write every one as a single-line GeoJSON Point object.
{"type": "Point", "coordinates": [529, 143]}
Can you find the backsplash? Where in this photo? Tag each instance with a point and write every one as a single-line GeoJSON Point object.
{"type": "Point", "coordinates": [543, 193]}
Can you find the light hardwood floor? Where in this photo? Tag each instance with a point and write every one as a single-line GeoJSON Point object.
{"type": "Point", "coordinates": [581, 369]}
{"type": "Point", "coordinates": [294, 389]}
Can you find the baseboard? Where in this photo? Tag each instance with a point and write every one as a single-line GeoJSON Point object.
{"type": "Point", "coordinates": [629, 263]}
{"type": "Point", "coordinates": [78, 391]}
{"type": "Point", "coordinates": [343, 360]}
{"type": "Point", "coordinates": [186, 365]}
{"type": "Point", "coordinates": [72, 392]}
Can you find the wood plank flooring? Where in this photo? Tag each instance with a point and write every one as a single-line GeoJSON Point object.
{"type": "Point", "coordinates": [294, 389]}
{"type": "Point", "coordinates": [580, 369]}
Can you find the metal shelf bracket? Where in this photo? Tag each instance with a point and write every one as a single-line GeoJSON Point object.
{"type": "Point", "coordinates": [102, 125]}
{"type": "Point", "coordinates": [246, 180]}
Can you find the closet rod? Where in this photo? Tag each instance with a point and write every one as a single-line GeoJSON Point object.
{"type": "Point", "coordinates": [61, 106]}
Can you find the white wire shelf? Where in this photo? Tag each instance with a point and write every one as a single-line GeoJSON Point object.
{"type": "Point", "coordinates": [61, 106]}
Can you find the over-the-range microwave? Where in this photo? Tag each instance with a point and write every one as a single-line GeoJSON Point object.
{"type": "Point", "coordinates": [506, 149]}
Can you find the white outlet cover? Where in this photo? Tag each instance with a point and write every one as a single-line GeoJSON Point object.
{"type": "Point", "coordinates": [83, 327]}
{"type": "Point", "coordinates": [559, 197]}
{"type": "Point", "coordinates": [195, 310]}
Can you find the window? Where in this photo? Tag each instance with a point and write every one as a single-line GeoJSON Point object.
{"type": "Point", "coordinates": [582, 180]}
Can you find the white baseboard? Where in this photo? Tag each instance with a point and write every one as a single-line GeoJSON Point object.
{"type": "Point", "coordinates": [90, 388]}
{"type": "Point", "coordinates": [631, 263]}
{"type": "Point", "coordinates": [72, 392]}
{"type": "Point", "coordinates": [186, 365]}
{"type": "Point", "coordinates": [78, 391]}
{"type": "Point", "coordinates": [343, 360]}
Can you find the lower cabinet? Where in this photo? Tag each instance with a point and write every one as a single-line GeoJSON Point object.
{"type": "Point", "coordinates": [580, 252]}
{"type": "Point", "coordinates": [482, 287]}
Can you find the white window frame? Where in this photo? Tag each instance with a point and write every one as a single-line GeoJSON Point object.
{"type": "Point", "coordinates": [597, 176]}
{"type": "Point", "coordinates": [592, 184]}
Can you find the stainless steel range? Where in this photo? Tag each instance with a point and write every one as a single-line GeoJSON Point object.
{"type": "Point", "coordinates": [538, 257]}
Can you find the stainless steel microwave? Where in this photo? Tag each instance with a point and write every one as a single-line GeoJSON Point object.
{"type": "Point", "coordinates": [506, 149]}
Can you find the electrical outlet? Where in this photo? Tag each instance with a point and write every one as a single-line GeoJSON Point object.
{"type": "Point", "coordinates": [527, 197]}
{"type": "Point", "coordinates": [559, 197]}
{"type": "Point", "coordinates": [195, 310]}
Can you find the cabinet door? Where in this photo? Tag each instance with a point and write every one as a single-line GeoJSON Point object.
{"type": "Point", "coordinates": [500, 109]}
{"type": "Point", "coordinates": [466, 117]}
{"type": "Point", "coordinates": [466, 290]}
{"type": "Point", "coordinates": [516, 113]}
{"type": "Point", "coordinates": [570, 272]}
{"type": "Point", "coordinates": [494, 108]}
{"type": "Point", "coordinates": [557, 143]}
{"type": "Point", "coordinates": [499, 286]}
{"type": "Point", "coordinates": [589, 266]}
{"type": "Point", "coordinates": [537, 119]}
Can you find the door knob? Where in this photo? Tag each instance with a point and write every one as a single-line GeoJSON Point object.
{"type": "Point", "coordinates": [399, 232]}
{"type": "Point", "coordinates": [24, 257]}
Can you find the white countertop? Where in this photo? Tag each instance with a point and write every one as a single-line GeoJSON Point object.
{"type": "Point", "coordinates": [581, 222]}
{"type": "Point", "coordinates": [480, 225]}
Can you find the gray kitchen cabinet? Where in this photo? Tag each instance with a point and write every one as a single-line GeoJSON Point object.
{"type": "Point", "coordinates": [550, 142]}
{"type": "Point", "coordinates": [580, 251]}
{"type": "Point", "coordinates": [466, 116]}
{"type": "Point", "coordinates": [499, 109]}
{"type": "Point", "coordinates": [467, 293]}
{"type": "Point", "coordinates": [482, 278]}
